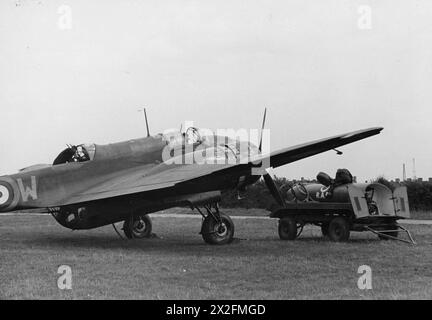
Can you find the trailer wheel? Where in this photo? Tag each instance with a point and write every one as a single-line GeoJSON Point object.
{"type": "Point", "coordinates": [325, 229]}
{"type": "Point", "coordinates": [339, 229]}
{"type": "Point", "coordinates": [390, 233]}
{"type": "Point", "coordinates": [287, 228]}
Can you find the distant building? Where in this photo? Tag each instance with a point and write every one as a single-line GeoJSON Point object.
{"type": "Point", "coordinates": [430, 180]}
{"type": "Point", "coordinates": [409, 179]}
{"type": "Point", "coordinates": [397, 180]}
{"type": "Point", "coordinates": [419, 179]}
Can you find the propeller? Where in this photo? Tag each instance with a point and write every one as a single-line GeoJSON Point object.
{"type": "Point", "coordinates": [274, 191]}
{"type": "Point", "coordinates": [271, 185]}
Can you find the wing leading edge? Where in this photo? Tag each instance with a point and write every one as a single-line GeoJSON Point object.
{"type": "Point", "coordinates": [301, 151]}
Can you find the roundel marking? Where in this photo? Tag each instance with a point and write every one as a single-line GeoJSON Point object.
{"type": "Point", "coordinates": [9, 194]}
{"type": "Point", "coordinates": [4, 194]}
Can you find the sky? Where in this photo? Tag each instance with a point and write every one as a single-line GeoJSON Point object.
{"type": "Point", "coordinates": [78, 71]}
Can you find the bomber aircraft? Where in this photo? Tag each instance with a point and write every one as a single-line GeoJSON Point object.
{"type": "Point", "coordinates": [90, 185]}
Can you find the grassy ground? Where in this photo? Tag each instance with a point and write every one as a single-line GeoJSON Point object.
{"type": "Point", "coordinates": [421, 215]}
{"type": "Point", "coordinates": [178, 265]}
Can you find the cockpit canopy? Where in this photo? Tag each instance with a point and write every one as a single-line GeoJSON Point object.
{"type": "Point", "coordinates": [192, 135]}
{"type": "Point", "coordinates": [78, 153]}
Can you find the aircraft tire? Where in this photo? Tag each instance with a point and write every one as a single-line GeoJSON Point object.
{"type": "Point", "coordinates": [137, 227]}
{"type": "Point", "coordinates": [217, 233]}
{"type": "Point", "coordinates": [287, 228]}
{"type": "Point", "coordinates": [339, 229]}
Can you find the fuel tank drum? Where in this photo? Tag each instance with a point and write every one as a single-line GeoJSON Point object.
{"type": "Point", "coordinates": [321, 193]}
{"type": "Point", "coordinates": [327, 190]}
{"type": "Point", "coordinates": [318, 192]}
{"type": "Point", "coordinates": [297, 193]}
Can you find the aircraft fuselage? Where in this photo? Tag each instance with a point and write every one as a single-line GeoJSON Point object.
{"type": "Point", "coordinates": [53, 185]}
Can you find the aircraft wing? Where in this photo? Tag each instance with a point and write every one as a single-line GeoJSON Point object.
{"type": "Point", "coordinates": [140, 179]}
{"type": "Point", "coordinates": [301, 151]}
{"type": "Point", "coordinates": [164, 175]}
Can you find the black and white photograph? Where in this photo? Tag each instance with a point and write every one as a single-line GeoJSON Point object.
{"type": "Point", "coordinates": [215, 156]}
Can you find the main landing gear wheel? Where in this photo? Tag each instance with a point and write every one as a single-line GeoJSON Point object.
{"type": "Point", "coordinates": [217, 229]}
{"type": "Point", "coordinates": [287, 228]}
{"type": "Point", "coordinates": [339, 229]}
{"type": "Point", "coordinates": [137, 227]}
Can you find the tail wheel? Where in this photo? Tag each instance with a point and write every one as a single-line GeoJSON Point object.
{"type": "Point", "coordinates": [287, 228]}
{"type": "Point", "coordinates": [339, 229]}
{"type": "Point", "coordinates": [137, 227]}
{"type": "Point", "coordinates": [217, 231]}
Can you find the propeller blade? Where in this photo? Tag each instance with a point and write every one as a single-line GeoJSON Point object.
{"type": "Point", "coordinates": [271, 185]}
{"type": "Point", "coordinates": [262, 129]}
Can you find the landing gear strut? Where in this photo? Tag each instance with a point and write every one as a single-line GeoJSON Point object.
{"type": "Point", "coordinates": [217, 228]}
{"type": "Point", "coordinates": [137, 226]}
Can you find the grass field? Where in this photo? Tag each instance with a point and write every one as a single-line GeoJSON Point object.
{"type": "Point", "coordinates": [178, 265]}
{"type": "Point", "coordinates": [421, 215]}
